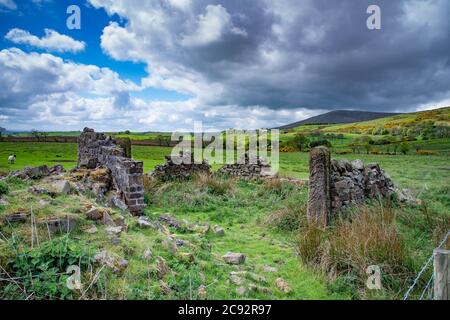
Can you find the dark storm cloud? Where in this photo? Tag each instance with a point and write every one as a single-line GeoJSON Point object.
{"type": "Point", "coordinates": [312, 53]}
{"type": "Point", "coordinates": [329, 59]}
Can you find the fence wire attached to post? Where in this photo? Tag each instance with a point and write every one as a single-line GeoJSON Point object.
{"type": "Point", "coordinates": [419, 275]}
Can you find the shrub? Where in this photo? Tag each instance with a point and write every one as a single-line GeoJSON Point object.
{"type": "Point", "coordinates": [42, 271]}
{"type": "Point", "coordinates": [375, 151]}
{"type": "Point", "coordinates": [310, 244]}
{"type": "Point", "coordinates": [405, 147]}
{"type": "Point", "coordinates": [318, 143]}
{"type": "Point", "coordinates": [425, 153]}
{"type": "Point", "coordinates": [368, 236]}
{"type": "Point", "coordinates": [3, 188]}
{"type": "Point", "coordinates": [300, 141]}
{"type": "Point", "coordinates": [344, 151]}
{"type": "Point", "coordinates": [215, 184]}
{"type": "Point", "coordinates": [287, 149]}
{"type": "Point", "coordinates": [290, 218]}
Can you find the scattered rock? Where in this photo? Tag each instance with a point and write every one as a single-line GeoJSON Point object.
{"type": "Point", "coordinates": [123, 264]}
{"type": "Point", "coordinates": [171, 221]}
{"type": "Point", "coordinates": [116, 202]}
{"type": "Point", "coordinates": [148, 254]}
{"type": "Point", "coordinates": [256, 277]}
{"type": "Point", "coordinates": [408, 196]}
{"type": "Point", "coordinates": [43, 203]}
{"type": "Point", "coordinates": [234, 279]}
{"type": "Point", "coordinates": [120, 221]}
{"type": "Point", "coordinates": [115, 240]}
{"type": "Point", "coordinates": [39, 190]}
{"type": "Point", "coordinates": [219, 231]}
{"type": "Point", "coordinates": [170, 245]}
{"type": "Point", "coordinates": [58, 169]}
{"type": "Point", "coordinates": [16, 217]}
{"type": "Point", "coordinates": [165, 289]}
{"type": "Point", "coordinates": [202, 293]}
{"type": "Point", "coordinates": [91, 230]}
{"type": "Point", "coordinates": [60, 225]}
{"type": "Point", "coordinates": [117, 265]}
{"type": "Point", "coordinates": [143, 222]}
{"type": "Point", "coordinates": [31, 173]}
{"type": "Point", "coordinates": [241, 291]}
{"type": "Point", "coordinates": [94, 214]}
{"type": "Point", "coordinates": [263, 290]}
{"type": "Point", "coordinates": [282, 285]}
{"type": "Point", "coordinates": [270, 269]}
{"type": "Point", "coordinates": [60, 187]}
{"type": "Point", "coordinates": [107, 220]}
{"type": "Point", "coordinates": [162, 267]}
{"type": "Point", "coordinates": [234, 258]}
{"type": "Point", "coordinates": [114, 230]}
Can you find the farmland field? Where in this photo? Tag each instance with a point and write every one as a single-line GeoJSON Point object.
{"type": "Point", "coordinates": [248, 221]}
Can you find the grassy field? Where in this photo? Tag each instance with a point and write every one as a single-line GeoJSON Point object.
{"type": "Point", "coordinates": [264, 220]}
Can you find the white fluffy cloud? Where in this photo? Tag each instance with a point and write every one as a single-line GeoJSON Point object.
{"type": "Point", "coordinates": [25, 75]}
{"type": "Point", "coordinates": [44, 91]}
{"type": "Point", "coordinates": [9, 4]}
{"type": "Point", "coordinates": [211, 26]}
{"type": "Point", "coordinates": [51, 41]}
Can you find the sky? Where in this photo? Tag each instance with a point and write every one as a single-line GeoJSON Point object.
{"type": "Point", "coordinates": [161, 65]}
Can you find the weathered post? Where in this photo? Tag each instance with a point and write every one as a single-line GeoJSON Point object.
{"type": "Point", "coordinates": [441, 274]}
{"type": "Point", "coordinates": [319, 203]}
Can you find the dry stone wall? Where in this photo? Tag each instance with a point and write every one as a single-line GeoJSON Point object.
{"type": "Point", "coordinates": [353, 182]}
{"type": "Point", "coordinates": [335, 185]}
{"type": "Point", "coordinates": [180, 167]}
{"type": "Point", "coordinates": [248, 168]}
{"type": "Point", "coordinates": [95, 150]}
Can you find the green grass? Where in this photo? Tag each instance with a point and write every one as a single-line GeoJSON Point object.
{"type": "Point", "coordinates": [242, 213]}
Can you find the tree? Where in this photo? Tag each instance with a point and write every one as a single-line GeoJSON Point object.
{"type": "Point", "coordinates": [368, 147]}
{"type": "Point", "coordinates": [405, 147]}
{"type": "Point", "coordinates": [35, 134]}
{"type": "Point", "coordinates": [300, 141]}
{"type": "Point", "coordinates": [2, 130]}
{"type": "Point", "coordinates": [319, 143]}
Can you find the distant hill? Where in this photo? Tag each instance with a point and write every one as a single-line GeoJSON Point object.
{"type": "Point", "coordinates": [340, 116]}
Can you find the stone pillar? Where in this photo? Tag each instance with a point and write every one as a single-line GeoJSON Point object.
{"type": "Point", "coordinates": [319, 203]}
{"type": "Point", "coordinates": [95, 149]}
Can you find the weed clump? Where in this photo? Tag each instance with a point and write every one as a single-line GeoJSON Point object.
{"type": "Point", "coordinates": [3, 188]}
{"type": "Point", "coordinates": [40, 273]}
{"type": "Point", "coordinates": [367, 236]}
{"type": "Point", "coordinates": [213, 184]}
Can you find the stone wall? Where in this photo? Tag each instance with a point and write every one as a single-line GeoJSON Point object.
{"type": "Point", "coordinates": [335, 185]}
{"type": "Point", "coordinates": [179, 168]}
{"type": "Point", "coordinates": [248, 168]}
{"type": "Point", "coordinates": [95, 150]}
{"type": "Point", "coordinates": [353, 182]}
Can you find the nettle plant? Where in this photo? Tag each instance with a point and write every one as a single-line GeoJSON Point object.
{"type": "Point", "coordinates": [41, 272]}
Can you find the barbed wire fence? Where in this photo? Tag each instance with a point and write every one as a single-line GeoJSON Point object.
{"type": "Point", "coordinates": [427, 292]}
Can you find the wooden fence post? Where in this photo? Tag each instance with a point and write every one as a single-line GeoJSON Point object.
{"type": "Point", "coordinates": [441, 274]}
